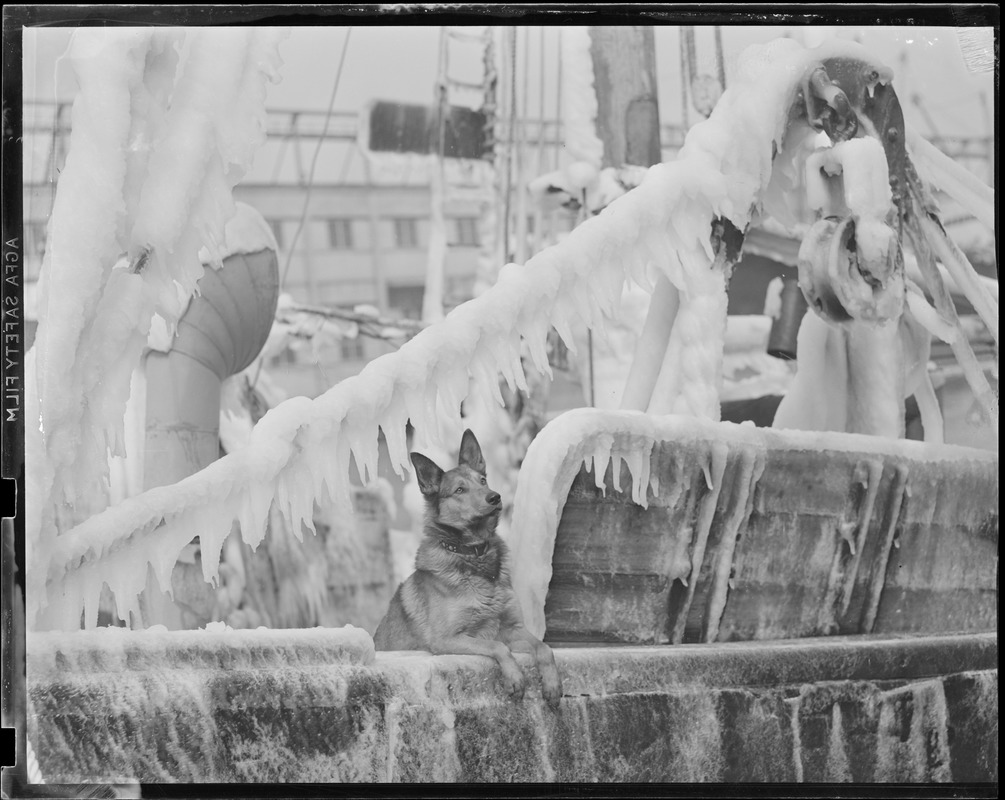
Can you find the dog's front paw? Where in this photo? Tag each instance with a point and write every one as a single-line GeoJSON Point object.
{"type": "Point", "coordinates": [551, 686]}
{"type": "Point", "coordinates": [514, 681]}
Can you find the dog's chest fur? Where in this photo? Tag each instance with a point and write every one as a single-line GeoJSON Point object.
{"type": "Point", "coordinates": [474, 590]}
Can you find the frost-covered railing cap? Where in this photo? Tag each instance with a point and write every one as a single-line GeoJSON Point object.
{"type": "Point", "coordinates": [220, 647]}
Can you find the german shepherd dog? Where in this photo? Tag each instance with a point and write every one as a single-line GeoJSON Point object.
{"type": "Point", "coordinates": [460, 598]}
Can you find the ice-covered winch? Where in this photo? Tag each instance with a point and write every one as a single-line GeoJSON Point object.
{"type": "Point", "coordinates": [851, 265]}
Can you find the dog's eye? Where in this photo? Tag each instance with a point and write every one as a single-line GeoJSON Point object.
{"type": "Point", "coordinates": [459, 490]}
{"type": "Point", "coordinates": [483, 481]}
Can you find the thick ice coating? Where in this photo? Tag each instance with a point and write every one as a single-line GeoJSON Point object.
{"type": "Point", "coordinates": [158, 142]}
{"type": "Point", "coordinates": [599, 439]}
{"type": "Point", "coordinates": [300, 452]}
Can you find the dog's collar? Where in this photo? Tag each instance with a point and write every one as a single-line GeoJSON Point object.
{"type": "Point", "coordinates": [465, 549]}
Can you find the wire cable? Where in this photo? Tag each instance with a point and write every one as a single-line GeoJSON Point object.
{"type": "Point", "coordinates": [310, 184]}
{"type": "Point", "coordinates": [511, 32]}
{"type": "Point", "coordinates": [314, 163]}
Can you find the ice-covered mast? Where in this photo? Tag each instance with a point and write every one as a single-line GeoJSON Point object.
{"type": "Point", "coordinates": [158, 142]}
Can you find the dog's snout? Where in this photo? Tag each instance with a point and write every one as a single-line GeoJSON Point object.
{"type": "Point", "coordinates": [493, 498]}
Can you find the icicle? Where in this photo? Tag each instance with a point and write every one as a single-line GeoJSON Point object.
{"type": "Point", "coordinates": [923, 312]}
{"type": "Point", "coordinates": [214, 532]}
{"type": "Point", "coordinates": [931, 414]}
{"type": "Point", "coordinates": [561, 324]}
{"type": "Point", "coordinates": [394, 436]}
{"type": "Point", "coordinates": [90, 595]}
{"type": "Point", "coordinates": [706, 470]}
{"type": "Point", "coordinates": [126, 586]}
{"type": "Point", "coordinates": [600, 458]}
{"type": "Point", "coordinates": [637, 459]}
{"type": "Point", "coordinates": [947, 310]}
{"type": "Point", "coordinates": [957, 181]}
{"type": "Point", "coordinates": [963, 274]}
{"type": "Point", "coordinates": [838, 768]}
{"type": "Point", "coordinates": [538, 351]}
{"type": "Point", "coordinates": [338, 480]}
{"type": "Point", "coordinates": [751, 469]}
{"type": "Point", "coordinates": [253, 513]}
{"type": "Point", "coordinates": [615, 461]}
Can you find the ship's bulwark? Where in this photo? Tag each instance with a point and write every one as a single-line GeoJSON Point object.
{"type": "Point", "coordinates": [852, 536]}
{"type": "Point", "coordinates": [319, 706]}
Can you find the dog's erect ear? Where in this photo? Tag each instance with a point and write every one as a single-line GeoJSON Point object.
{"type": "Point", "coordinates": [427, 473]}
{"type": "Point", "coordinates": [471, 453]}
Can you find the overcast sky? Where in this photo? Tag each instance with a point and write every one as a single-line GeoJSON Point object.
{"type": "Point", "coordinates": [399, 63]}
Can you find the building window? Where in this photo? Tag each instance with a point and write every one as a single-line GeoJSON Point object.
{"type": "Point", "coordinates": [406, 233]}
{"type": "Point", "coordinates": [406, 301]}
{"type": "Point", "coordinates": [277, 231]}
{"type": "Point", "coordinates": [467, 231]}
{"type": "Point", "coordinates": [340, 234]}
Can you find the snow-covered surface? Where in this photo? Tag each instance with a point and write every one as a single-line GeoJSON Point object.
{"type": "Point", "coordinates": [601, 438]}
{"type": "Point", "coordinates": [111, 649]}
{"type": "Point", "coordinates": [246, 232]}
{"type": "Point", "coordinates": [862, 165]}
